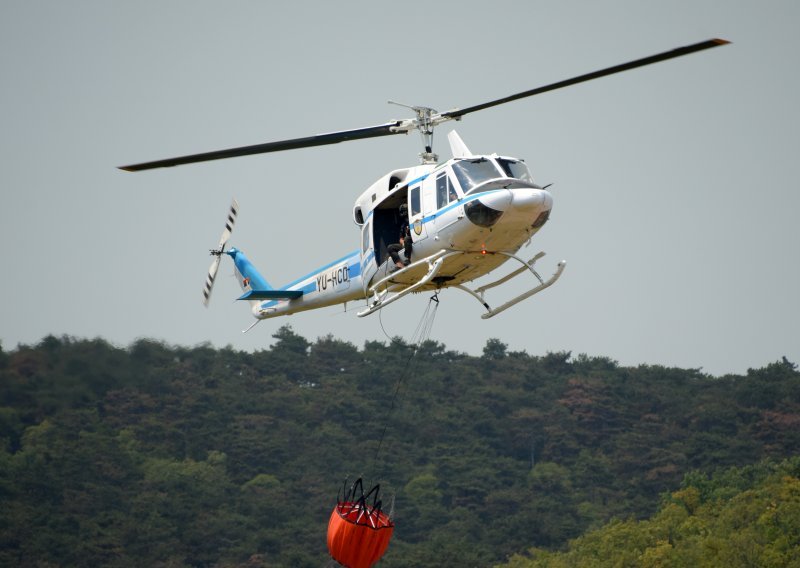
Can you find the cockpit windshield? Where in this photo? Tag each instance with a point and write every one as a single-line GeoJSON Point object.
{"type": "Point", "coordinates": [473, 172]}
{"type": "Point", "coordinates": [515, 169]}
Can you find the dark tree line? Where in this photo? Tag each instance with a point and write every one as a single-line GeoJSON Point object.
{"type": "Point", "coordinates": [193, 456]}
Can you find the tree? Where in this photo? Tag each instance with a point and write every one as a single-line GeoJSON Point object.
{"type": "Point", "coordinates": [494, 349]}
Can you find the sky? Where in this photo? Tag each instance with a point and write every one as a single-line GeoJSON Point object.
{"type": "Point", "coordinates": [675, 185]}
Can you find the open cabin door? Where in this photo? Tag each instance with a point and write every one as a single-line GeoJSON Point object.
{"type": "Point", "coordinates": [369, 266]}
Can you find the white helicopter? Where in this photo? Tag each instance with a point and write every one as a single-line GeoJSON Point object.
{"type": "Point", "coordinates": [465, 216]}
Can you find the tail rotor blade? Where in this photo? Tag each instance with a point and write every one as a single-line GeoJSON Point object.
{"type": "Point", "coordinates": [212, 274]}
{"type": "Point", "coordinates": [226, 234]}
{"type": "Point", "coordinates": [219, 251]}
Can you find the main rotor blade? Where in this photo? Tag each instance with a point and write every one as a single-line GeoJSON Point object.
{"type": "Point", "coordinates": [454, 114]}
{"type": "Point", "coordinates": [317, 140]}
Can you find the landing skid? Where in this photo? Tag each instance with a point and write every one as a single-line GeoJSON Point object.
{"type": "Point", "coordinates": [382, 296]}
{"type": "Point", "coordinates": [478, 293]}
{"type": "Point", "coordinates": [380, 293]}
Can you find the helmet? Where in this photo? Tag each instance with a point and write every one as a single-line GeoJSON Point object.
{"type": "Point", "coordinates": [404, 210]}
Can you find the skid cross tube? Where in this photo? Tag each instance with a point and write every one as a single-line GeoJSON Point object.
{"type": "Point", "coordinates": [478, 293]}
{"type": "Point", "coordinates": [507, 277]}
{"type": "Point", "coordinates": [382, 298]}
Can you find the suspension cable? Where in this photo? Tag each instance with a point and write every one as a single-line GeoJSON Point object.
{"type": "Point", "coordinates": [421, 335]}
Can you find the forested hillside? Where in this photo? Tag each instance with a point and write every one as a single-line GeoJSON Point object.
{"type": "Point", "coordinates": [157, 455]}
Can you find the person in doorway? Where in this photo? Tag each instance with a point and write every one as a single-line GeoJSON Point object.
{"type": "Point", "coordinates": [405, 241]}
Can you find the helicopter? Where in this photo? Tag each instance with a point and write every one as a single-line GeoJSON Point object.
{"type": "Point", "coordinates": [465, 217]}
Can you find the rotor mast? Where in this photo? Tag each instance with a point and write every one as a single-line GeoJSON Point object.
{"type": "Point", "coordinates": [426, 119]}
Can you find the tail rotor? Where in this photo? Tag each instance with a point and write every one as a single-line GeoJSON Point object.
{"type": "Point", "coordinates": [218, 252]}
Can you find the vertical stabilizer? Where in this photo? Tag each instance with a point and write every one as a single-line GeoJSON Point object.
{"type": "Point", "coordinates": [249, 278]}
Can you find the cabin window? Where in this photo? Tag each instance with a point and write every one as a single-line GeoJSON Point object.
{"type": "Point", "coordinates": [445, 191]}
{"type": "Point", "coordinates": [365, 238]}
{"type": "Point", "coordinates": [414, 202]}
{"type": "Point", "coordinates": [474, 172]}
{"type": "Point", "coordinates": [515, 169]}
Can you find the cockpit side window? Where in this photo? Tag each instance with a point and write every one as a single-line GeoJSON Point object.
{"type": "Point", "coordinates": [473, 172]}
{"type": "Point", "coordinates": [515, 169]}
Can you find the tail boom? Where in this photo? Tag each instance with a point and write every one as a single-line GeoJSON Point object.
{"type": "Point", "coordinates": [337, 282]}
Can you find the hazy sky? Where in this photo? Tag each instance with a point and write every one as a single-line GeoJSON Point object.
{"type": "Point", "coordinates": [675, 186]}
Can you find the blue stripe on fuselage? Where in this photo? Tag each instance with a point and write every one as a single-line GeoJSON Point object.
{"type": "Point", "coordinates": [458, 203]}
{"type": "Point", "coordinates": [369, 257]}
{"type": "Point", "coordinates": [354, 266]}
{"type": "Point", "coordinates": [318, 270]}
{"type": "Point", "coordinates": [419, 179]}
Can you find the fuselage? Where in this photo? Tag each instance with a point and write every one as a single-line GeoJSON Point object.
{"type": "Point", "coordinates": [478, 205]}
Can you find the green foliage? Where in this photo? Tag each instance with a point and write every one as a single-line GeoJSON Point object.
{"type": "Point", "coordinates": [195, 456]}
{"type": "Point", "coordinates": [746, 516]}
{"type": "Point", "coordinates": [494, 349]}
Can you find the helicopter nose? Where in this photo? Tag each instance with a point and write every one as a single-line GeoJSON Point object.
{"type": "Point", "coordinates": [529, 198]}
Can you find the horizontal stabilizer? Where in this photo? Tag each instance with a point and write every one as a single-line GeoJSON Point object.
{"type": "Point", "coordinates": [271, 295]}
